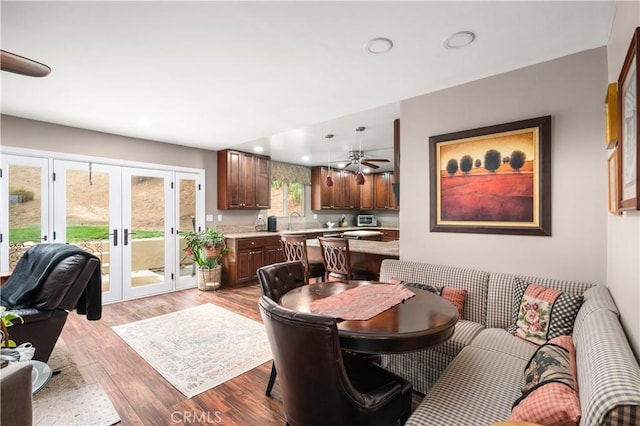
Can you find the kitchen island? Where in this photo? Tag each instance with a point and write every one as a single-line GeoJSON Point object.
{"type": "Point", "coordinates": [365, 255]}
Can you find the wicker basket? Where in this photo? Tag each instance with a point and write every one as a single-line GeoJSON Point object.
{"type": "Point", "coordinates": [209, 278]}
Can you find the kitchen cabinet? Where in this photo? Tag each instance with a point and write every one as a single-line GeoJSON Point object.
{"type": "Point", "coordinates": [366, 193]}
{"type": "Point", "coordinates": [351, 196]}
{"type": "Point", "coordinates": [389, 235]}
{"type": "Point", "coordinates": [243, 180]}
{"type": "Point", "coordinates": [246, 255]}
{"type": "Point", "coordinates": [337, 196]}
{"type": "Point", "coordinates": [383, 198]}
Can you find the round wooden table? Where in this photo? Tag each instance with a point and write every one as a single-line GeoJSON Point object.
{"type": "Point", "coordinates": [417, 323]}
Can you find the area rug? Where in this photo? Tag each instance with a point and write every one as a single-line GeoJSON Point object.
{"type": "Point", "coordinates": [198, 348]}
{"type": "Point", "coordinates": [68, 400]}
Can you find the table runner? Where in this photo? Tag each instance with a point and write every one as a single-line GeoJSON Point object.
{"type": "Point", "coordinates": [361, 303]}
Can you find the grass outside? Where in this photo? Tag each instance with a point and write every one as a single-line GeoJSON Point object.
{"type": "Point", "coordinates": [76, 233]}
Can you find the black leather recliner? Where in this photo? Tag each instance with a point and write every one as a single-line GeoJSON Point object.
{"type": "Point", "coordinates": [49, 281]}
{"type": "Point", "coordinates": [277, 279]}
{"type": "Point", "coordinates": [322, 385]}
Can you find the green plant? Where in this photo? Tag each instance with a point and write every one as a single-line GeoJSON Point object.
{"type": "Point", "coordinates": [198, 243]}
{"type": "Point", "coordinates": [7, 321]}
{"type": "Point", "coordinates": [24, 193]}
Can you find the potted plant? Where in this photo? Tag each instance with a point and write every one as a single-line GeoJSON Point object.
{"type": "Point", "coordinates": [206, 248]}
{"type": "Point", "coordinates": [6, 320]}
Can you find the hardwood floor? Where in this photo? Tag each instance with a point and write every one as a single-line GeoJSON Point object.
{"type": "Point", "coordinates": [141, 395]}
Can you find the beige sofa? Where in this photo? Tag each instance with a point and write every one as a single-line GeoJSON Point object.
{"type": "Point", "coordinates": [475, 377]}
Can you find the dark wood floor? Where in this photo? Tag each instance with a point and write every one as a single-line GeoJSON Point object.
{"type": "Point", "coordinates": [141, 395]}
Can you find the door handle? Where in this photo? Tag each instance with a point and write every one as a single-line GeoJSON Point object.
{"type": "Point", "coordinates": [44, 238]}
{"type": "Point", "coordinates": [115, 237]}
{"type": "Point", "coordinates": [126, 236]}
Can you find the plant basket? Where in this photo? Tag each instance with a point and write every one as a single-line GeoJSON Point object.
{"type": "Point", "coordinates": [211, 253]}
{"type": "Point", "coordinates": [209, 278]}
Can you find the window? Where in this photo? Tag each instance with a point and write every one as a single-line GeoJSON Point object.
{"type": "Point", "coordinates": [286, 198]}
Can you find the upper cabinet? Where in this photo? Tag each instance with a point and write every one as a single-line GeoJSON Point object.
{"type": "Point", "coordinates": [383, 197]}
{"type": "Point", "coordinates": [346, 194]}
{"type": "Point", "coordinates": [243, 180]}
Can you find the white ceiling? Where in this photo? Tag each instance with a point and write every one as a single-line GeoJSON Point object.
{"type": "Point", "coordinates": [277, 74]}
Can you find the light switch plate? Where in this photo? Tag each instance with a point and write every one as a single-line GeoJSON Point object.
{"type": "Point", "coordinates": [315, 216]}
{"type": "Point", "coordinates": [209, 218]}
{"type": "Point", "coordinates": [219, 218]}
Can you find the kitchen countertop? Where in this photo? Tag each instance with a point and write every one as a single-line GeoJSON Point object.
{"type": "Point", "coordinates": [391, 248]}
{"type": "Point", "coordinates": [306, 231]}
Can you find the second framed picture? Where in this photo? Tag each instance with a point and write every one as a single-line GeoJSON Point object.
{"type": "Point", "coordinates": [493, 180]}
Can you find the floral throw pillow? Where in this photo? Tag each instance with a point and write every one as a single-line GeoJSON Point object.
{"type": "Point", "coordinates": [542, 313]}
{"type": "Point", "coordinates": [457, 296]}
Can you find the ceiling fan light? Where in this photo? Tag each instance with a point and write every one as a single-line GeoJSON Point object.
{"type": "Point", "coordinates": [360, 179]}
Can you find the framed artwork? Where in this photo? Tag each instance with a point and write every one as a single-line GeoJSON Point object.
{"type": "Point", "coordinates": [611, 115]}
{"type": "Point", "coordinates": [493, 180]}
{"type": "Point", "coordinates": [628, 125]}
{"type": "Point", "coordinates": [614, 182]}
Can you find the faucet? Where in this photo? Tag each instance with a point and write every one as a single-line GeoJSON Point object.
{"type": "Point", "coordinates": [290, 224]}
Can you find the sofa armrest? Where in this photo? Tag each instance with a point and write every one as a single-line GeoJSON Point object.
{"type": "Point", "coordinates": [15, 394]}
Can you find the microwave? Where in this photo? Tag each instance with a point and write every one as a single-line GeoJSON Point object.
{"type": "Point", "coordinates": [366, 220]}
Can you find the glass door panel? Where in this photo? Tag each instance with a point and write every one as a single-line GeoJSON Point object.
{"type": "Point", "coordinates": [88, 215]}
{"type": "Point", "coordinates": [147, 232]}
{"type": "Point", "coordinates": [186, 208]}
{"type": "Point", "coordinates": [25, 207]}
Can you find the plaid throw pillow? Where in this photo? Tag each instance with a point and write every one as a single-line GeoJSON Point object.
{"type": "Point", "coordinates": [541, 313]}
{"type": "Point", "coordinates": [457, 296]}
{"type": "Point", "coordinates": [550, 394]}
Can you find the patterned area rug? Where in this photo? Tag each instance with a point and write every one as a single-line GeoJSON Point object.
{"type": "Point", "coordinates": [68, 400]}
{"type": "Point", "coordinates": [198, 348]}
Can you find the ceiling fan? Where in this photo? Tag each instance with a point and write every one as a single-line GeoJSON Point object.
{"type": "Point", "coordinates": [17, 64]}
{"type": "Point", "coordinates": [359, 158]}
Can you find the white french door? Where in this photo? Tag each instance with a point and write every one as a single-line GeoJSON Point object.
{"type": "Point", "coordinates": [129, 217]}
{"type": "Point", "coordinates": [24, 191]}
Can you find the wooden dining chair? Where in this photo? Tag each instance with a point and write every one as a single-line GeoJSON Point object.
{"type": "Point", "coordinates": [337, 261]}
{"type": "Point", "coordinates": [295, 249]}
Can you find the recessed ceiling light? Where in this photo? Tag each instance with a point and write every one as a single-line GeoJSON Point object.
{"type": "Point", "coordinates": [378, 46]}
{"type": "Point", "coordinates": [341, 165]}
{"type": "Point", "coordinates": [458, 40]}
{"type": "Point", "coordinates": [305, 158]}
{"type": "Point", "coordinates": [366, 170]}
{"type": "Point", "coordinates": [258, 149]}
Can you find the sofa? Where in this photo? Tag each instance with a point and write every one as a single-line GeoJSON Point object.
{"type": "Point", "coordinates": [476, 376]}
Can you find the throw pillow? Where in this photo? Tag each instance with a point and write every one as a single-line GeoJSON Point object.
{"type": "Point", "coordinates": [457, 296]}
{"type": "Point", "coordinates": [550, 394]}
{"type": "Point", "coordinates": [541, 313]}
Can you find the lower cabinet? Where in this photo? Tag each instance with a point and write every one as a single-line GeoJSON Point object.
{"type": "Point", "coordinates": [246, 255]}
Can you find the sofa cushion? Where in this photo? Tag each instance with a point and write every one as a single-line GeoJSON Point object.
{"type": "Point", "coordinates": [500, 341]}
{"type": "Point", "coordinates": [500, 293]}
{"type": "Point", "coordinates": [550, 363]}
{"type": "Point", "coordinates": [478, 388]}
{"type": "Point", "coordinates": [472, 280]}
{"type": "Point", "coordinates": [541, 313]}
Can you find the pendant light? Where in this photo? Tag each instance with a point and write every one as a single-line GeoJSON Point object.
{"type": "Point", "coordinates": [359, 175]}
{"type": "Point", "coordinates": [329, 180]}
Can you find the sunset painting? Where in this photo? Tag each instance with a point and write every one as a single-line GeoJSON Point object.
{"type": "Point", "coordinates": [488, 180]}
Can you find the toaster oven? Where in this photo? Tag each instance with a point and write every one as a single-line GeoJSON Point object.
{"type": "Point", "coordinates": [366, 220]}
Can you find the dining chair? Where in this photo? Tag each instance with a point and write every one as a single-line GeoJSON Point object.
{"type": "Point", "coordinates": [295, 249]}
{"type": "Point", "coordinates": [277, 279]}
{"type": "Point", "coordinates": [323, 385]}
{"type": "Point", "coordinates": [337, 260]}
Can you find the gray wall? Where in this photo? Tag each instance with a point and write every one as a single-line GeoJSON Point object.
{"type": "Point", "coordinates": [623, 243]}
{"type": "Point", "coordinates": [23, 133]}
{"type": "Point", "coordinates": [570, 89]}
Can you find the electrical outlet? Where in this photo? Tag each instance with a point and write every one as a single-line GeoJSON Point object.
{"type": "Point", "coordinates": [219, 218]}
{"type": "Point", "coordinates": [315, 216]}
{"type": "Point", "coordinates": [209, 218]}
{"type": "Point", "coordinates": [260, 216]}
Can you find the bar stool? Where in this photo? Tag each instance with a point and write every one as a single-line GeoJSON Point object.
{"type": "Point", "coordinates": [295, 249]}
{"type": "Point", "coordinates": [337, 260]}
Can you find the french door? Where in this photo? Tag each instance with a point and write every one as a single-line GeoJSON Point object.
{"type": "Point", "coordinates": [129, 217]}
{"type": "Point", "coordinates": [24, 190]}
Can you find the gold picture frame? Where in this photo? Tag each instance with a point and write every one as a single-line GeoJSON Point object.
{"type": "Point", "coordinates": [611, 115]}
{"type": "Point", "coordinates": [613, 182]}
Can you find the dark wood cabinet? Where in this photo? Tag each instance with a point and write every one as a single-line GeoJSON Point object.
{"type": "Point", "coordinates": [246, 255]}
{"type": "Point", "coordinates": [383, 198]}
{"type": "Point", "coordinates": [243, 180]}
{"type": "Point", "coordinates": [389, 235]}
{"type": "Point", "coordinates": [325, 197]}
{"type": "Point", "coordinates": [366, 193]}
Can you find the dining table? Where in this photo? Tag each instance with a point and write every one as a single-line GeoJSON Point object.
{"type": "Point", "coordinates": [419, 322]}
